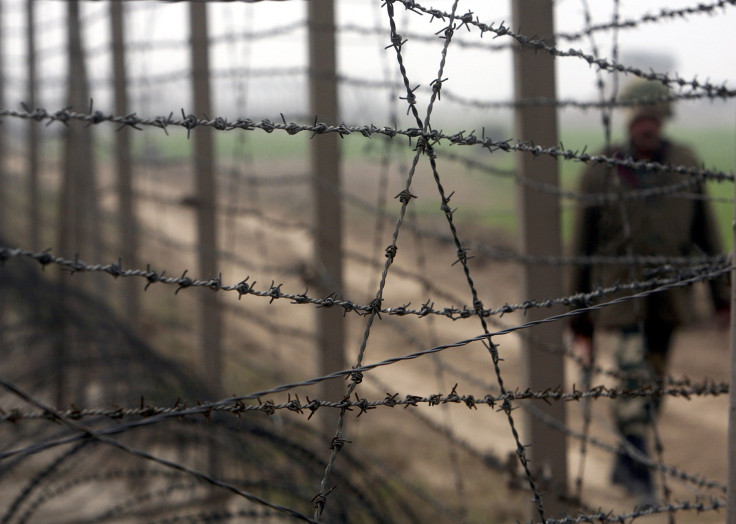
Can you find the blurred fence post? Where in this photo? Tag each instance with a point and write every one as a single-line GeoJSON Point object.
{"type": "Point", "coordinates": [34, 218]}
{"type": "Point", "coordinates": [204, 165]}
{"type": "Point", "coordinates": [731, 499]}
{"type": "Point", "coordinates": [128, 227]}
{"type": "Point", "coordinates": [325, 164]}
{"type": "Point", "coordinates": [539, 227]}
{"type": "Point", "coordinates": [78, 220]}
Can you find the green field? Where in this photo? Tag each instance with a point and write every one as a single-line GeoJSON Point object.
{"type": "Point", "coordinates": [715, 147]}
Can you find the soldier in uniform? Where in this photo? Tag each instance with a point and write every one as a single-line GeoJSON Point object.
{"type": "Point", "coordinates": [669, 225]}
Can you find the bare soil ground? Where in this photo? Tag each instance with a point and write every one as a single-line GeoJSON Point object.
{"type": "Point", "coordinates": [693, 431]}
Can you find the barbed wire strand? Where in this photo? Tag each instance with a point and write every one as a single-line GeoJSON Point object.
{"type": "Point", "coordinates": [94, 478]}
{"type": "Point", "coordinates": [664, 13]}
{"type": "Point", "coordinates": [470, 401]}
{"type": "Point", "coordinates": [420, 138]}
{"type": "Point", "coordinates": [540, 45]}
{"type": "Point", "coordinates": [432, 337]}
{"type": "Point", "coordinates": [338, 441]}
{"type": "Point", "coordinates": [504, 253]}
{"type": "Point", "coordinates": [588, 30]}
{"type": "Point", "coordinates": [462, 257]}
{"type": "Point", "coordinates": [606, 113]}
{"type": "Point", "coordinates": [591, 199]}
{"type": "Point", "coordinates": [507, 254]}
{"type": "Point", "coordinates": [495, 252]}
{"type": "Point", "coordinates": [289, 28]}
{"type": "Point", "coordinates": [91, 433]}
{"type": "Point", "coordinates": [426, 283]}
{"type": "Point", "coordinates": [235, 405]}
{"type": "Point", "coordinates": [206, 407]}
{"type": "Point", "coordinates": [274, 291]}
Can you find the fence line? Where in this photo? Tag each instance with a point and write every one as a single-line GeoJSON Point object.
{"type": "Point", "coordinates": [425, 137]}
{"type": "Point", "coordinates": [104, 424]}
{"type": "Point", "coordinates": [467, 20]}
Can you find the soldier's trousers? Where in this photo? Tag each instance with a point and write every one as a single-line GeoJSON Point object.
{"type": "Point", "coordinates": [641, 357]}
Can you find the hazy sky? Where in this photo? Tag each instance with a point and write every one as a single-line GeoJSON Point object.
{"type": "Point", "coordinates": [697, 45]}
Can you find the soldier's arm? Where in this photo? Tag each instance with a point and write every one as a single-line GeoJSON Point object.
{"type": "Point", "coordinates": [705, 235]}
{"type": "Point", "coordinates": [585, 243]}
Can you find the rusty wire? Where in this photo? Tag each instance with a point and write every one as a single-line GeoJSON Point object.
{"type": "Point", "coordinates": [360, 403]}
{"type": "Point", "coordinates": [699, 506]}
{"type": "Point", "coordinates": [427, 136]}
{"type": "Point", "coordinates": [469, 19]}
{"type": "Point", "coordinates": [690, 390]}
{"type": "Point", "coordinates": [501, 253]}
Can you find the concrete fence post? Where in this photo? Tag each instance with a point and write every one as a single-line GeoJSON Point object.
{"type": "Point", "coordinates": [539, 232]}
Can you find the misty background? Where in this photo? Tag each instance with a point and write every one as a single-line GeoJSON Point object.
{"type": "Point", "coordinates": [696, 46]}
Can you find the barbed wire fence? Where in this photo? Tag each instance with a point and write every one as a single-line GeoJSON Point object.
{"type": "Point", "coordinates": [113, 408]}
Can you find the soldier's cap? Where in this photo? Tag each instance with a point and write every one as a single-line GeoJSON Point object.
{"type": "Point", "coordinates": [648, 99]}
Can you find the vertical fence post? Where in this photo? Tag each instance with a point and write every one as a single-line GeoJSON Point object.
{"type": "Point", "coordinates": [3, 183]}
{"type": "Point", "coordinates": [78, 216]}
{"type": "Point", "coordinates": [34, 218]}
{"type": "Point", "coordinates": [3, 145]}
{"type": "Point", "coordinates": [204, 165]}
{"type": "Point", "coordinates": [539, 224]}
{"type": "Point", "coordinates": [731, 499]}
{"type": "Point", "coordinates": [325, 165]}
{"type": "Point", "coordinates": [128, 228]}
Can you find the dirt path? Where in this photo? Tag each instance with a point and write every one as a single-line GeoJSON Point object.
{"type": "Point", "coordinates": [693, 431]}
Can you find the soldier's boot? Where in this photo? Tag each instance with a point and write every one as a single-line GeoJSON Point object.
{"type": "Point", "coordinates": [634, 476]}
